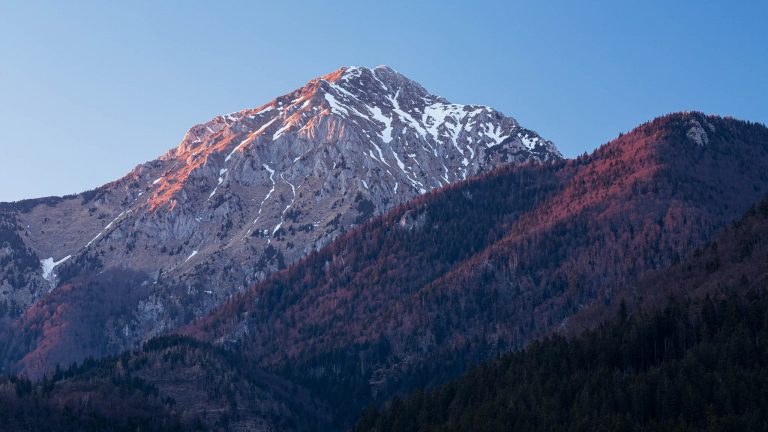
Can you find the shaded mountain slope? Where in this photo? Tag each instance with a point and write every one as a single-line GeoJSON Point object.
{"type": "Point", "coordinates": [76, 318]}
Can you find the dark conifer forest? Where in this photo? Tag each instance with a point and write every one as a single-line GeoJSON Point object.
{"type": "Point", "coordinates": [699, 365]}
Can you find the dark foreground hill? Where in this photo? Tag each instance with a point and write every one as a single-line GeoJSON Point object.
{"type": "Point", "coordinates": [693, 366]}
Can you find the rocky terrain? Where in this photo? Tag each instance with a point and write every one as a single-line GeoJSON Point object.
{"type": "Point", "coordinates": [242, 195]}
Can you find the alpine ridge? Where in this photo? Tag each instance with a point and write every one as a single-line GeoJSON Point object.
{"type": "Point", "coordinates": [241, 196]}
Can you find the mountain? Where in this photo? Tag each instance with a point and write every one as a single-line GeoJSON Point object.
{"type": "Point", "coordinates": [242, 195]}
{"type": "Point", "coordinates": [408, 299]}
{"type": "Point", "coordinates": [400, 302]}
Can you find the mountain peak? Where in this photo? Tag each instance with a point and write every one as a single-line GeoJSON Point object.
{"type": "Point", "coordinates": [392, 119]}
{"type": "Point", "coordinates": [380, 80]}
{"type": "Point", "coordinates": [381, 71]}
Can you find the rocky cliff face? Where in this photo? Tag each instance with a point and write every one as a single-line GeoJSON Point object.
{"type": "Point", "coordinates": [243, 195]}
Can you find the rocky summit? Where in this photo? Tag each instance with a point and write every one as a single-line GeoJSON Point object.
{"type": "Point", "coordinates": [242, 195]}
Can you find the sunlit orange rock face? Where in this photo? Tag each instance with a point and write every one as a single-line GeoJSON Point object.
{"type": "Point", "coordinates": [238, 131]}
{"type": "Point", "coordinates": [250, 192]}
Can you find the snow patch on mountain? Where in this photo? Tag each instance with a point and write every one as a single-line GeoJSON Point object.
{"type": "Point", "coordinates": [48, 265]}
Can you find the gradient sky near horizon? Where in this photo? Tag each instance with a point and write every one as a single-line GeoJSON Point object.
{"type": "Point", "coordinates": [88, 90]}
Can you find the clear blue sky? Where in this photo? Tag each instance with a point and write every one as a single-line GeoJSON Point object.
{"type": "Point", "coordinates": [89, 90]}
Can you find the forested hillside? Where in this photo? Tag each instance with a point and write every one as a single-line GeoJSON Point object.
{"type": "Point", "coordinates": [172, 383]}
{"type": "Point", "coordinates": [693, 366]}
{"type": "Point", "coordinates": [700, 362]}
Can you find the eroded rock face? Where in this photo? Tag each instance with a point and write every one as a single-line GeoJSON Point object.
{"type": "Point", "coordinates": [253, 191]}
{"type": "Point", "coordinates": [698, 134]}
